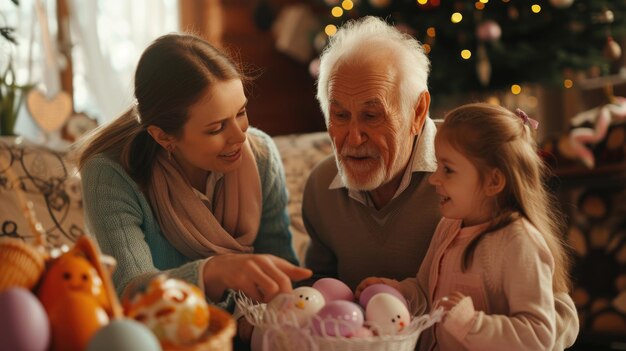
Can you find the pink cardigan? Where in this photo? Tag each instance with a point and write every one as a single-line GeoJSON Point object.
{"type": "Point", "coordinates": [510, 303]}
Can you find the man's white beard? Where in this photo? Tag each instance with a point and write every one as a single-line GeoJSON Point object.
{"type": "Point", "coordinates": [373, 180]}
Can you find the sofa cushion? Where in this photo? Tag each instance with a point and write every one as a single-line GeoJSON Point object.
{"type": "Point", "coordinates": [300, 153]}
{"type": "Point", "coordinates": [52, 184]}
{"type": "Point", "coordinates": [47, 181]}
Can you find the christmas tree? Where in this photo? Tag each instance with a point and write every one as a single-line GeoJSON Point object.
{"type": "Point", "coordinates": [500, 44]}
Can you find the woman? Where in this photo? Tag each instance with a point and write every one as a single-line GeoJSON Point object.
{"type": "Point", "coordinates": [180, 184]}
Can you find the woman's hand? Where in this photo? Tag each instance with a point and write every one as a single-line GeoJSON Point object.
{"type": "Point", "coordinates": [260, 277]}
{"type": "Point", "coordinates": [375, 280]}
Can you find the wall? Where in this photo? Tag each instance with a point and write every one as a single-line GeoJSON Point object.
{"type": "Point", "coordinates": [282, 98]}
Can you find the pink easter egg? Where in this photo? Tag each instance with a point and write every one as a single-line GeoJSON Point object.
{"type": "Point", "coordinates": [334, 289]}
{"type": "Point", "coordinates": [362, 332]}
{"type": "Point", "coordinates": [24, 323]}
{"type": "Point", "coordinates": [338, 318]}
{"type": "Point", "coordinates": [372, 290]}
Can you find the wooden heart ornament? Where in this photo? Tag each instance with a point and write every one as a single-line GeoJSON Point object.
{"type": "Point", "coordinates": [50, 114]}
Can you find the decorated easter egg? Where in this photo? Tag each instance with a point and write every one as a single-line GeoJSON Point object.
{"type": "Point", "coordinates": [307, 302]}
{"type": "Point", "coordinates": [124, 335]}
{"type": "Point", "coordinates": [23, 322]}
{"type": "Point", "coordinates": [73, 294]}
{"type": "Point", "coordinates": [374, 289]}
{"type": "Point", "coordinates": [334, 289]}
{"type": "Point", "coordinates": [338, 318]}
{"type": "Point", "coordinates": [175, 311]}
{"type": "Point", "coordinates": [386, 314]}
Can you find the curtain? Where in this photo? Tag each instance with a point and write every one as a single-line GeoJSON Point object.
{"type": "Point", "coordinates": [107, 38]}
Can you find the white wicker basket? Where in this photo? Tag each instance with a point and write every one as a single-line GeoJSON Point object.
{"type": "Point", "coordinates": [283, 334]}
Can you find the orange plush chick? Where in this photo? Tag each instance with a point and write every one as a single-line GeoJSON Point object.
{"type": "Point", "coordinates": [75, 298]}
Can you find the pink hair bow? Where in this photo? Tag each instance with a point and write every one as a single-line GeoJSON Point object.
{"type": "Point", "coordinates": [527, 120]}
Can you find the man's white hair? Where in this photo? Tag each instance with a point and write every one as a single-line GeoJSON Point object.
{"type": "Point", "coordinates": [357, 39]}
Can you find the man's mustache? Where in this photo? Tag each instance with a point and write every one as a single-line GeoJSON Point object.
{"type": "Point", "coordinates": [363, 151]}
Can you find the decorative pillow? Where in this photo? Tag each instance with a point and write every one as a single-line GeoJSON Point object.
{"type": "Point", "coordinates": [300, 153]}
{"type": "Point", "coordinates": [48, 182]}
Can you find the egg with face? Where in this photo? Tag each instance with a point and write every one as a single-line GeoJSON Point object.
{"type": "Point", "coordinates": [175, 311]}
{"type": "Point", "coordinates": [296, 307]}
{"type": "Point", "coordinates": [306, 303]}
{"type": "Point", "coordinates": [387, 315]}
{"type": "Point", "coordinates": [73, 294]}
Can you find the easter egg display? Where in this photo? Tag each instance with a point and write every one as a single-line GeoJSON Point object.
{"type": "Point", "coordinates": [289, 321]}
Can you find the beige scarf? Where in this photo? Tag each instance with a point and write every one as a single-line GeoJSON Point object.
{"type": "Point", "coordinates": [196, 230]}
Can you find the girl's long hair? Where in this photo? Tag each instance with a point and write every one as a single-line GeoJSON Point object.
{"type": "Point", "coordinates": [494, 137]}
{"type": "Point", "coordinates": [173, 73]}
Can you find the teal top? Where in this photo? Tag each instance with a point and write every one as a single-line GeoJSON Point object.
{"type": "Point", "coordinates": [120, 217]}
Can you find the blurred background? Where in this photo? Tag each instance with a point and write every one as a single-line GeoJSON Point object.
{"type": "Point", "coordinates": [559, 60]}
{"type": "Point", "coordinates": [552, 58]}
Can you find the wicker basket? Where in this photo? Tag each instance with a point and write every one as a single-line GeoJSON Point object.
{"type": "Point", "coordinates": [21, 265]}
{"type": "Point", "coordinates": [221, 332]}
{"type": "Point", "coordinates": [281, 334]}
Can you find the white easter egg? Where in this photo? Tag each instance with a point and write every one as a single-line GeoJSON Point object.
{"type": "Point", "coordinates": [307, 302]}
{"type": "Point", "coordinates": [387, 314]}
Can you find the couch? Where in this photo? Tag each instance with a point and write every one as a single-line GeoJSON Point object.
{"type": "Point", "coordinates": [51, 183]}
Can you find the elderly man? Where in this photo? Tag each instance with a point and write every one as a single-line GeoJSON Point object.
{"type": "Point", "coordinates": [369, 210]}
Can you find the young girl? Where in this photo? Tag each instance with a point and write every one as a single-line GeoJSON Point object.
{"type": "Point", "coordinates": [496, 260]}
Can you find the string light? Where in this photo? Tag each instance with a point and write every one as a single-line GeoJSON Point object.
{"type": "Point", "coordinates": [479, 5]}
{"type": "Point", "coordinates": [466, 54]}
{"type": "Point", "coordinates": [484, 1]}
{"type": "Point", "coordinates": [427, 48]}
{"type": "Point", "coordinates": [493, 100]}
{"type": "Point", "coordinates": [516, 89]}
{"type": "Point", "coordinates": [568, 83]}
{"type": "Point", "coordinates": [456, 17]}
{"type": "Point", "coordinates": [337, 11]}
{"type": "Point", "coordinates": [330, 30]}
{"type": "Point", "coordinates": [347, 5]}
{"type": "Point", "coordinates": [422, 2]}
{"type": "Point", "coordinates": [431, 32]}
{"type": "Point", "coordinates": [535, 8]}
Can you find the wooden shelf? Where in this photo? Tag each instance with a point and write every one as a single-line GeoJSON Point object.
{"type": "Point", "coordinates": [609, 175]}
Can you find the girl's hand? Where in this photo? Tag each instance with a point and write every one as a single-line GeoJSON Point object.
{"type": "Point", "coordinates": [375, 280]}
{"type": "Point", "coordinates": [260, 277]}
{"type": "Point", "coordinates": [448, 302]}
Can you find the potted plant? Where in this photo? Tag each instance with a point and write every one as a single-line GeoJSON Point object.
{"type": "Point", "coordinates": [11, 99]}
{"type": "Point", "coordinates": [11, 94]}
